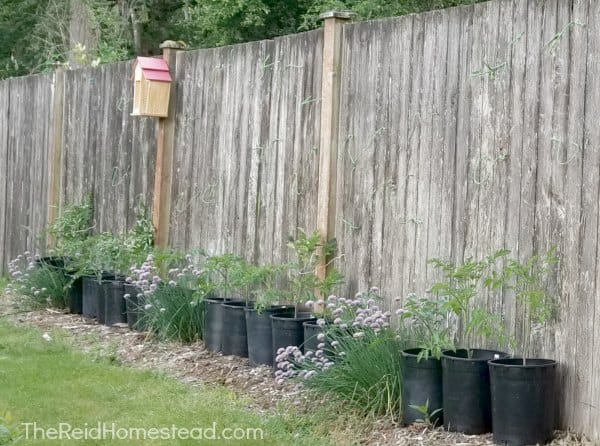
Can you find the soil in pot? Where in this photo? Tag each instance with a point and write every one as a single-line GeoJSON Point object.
{"type": "Point", "coordinates": [259, 333]}
{"type": "Point", "coordinates": [422, 386]}
{"type": "Point", "coordinates": [115, 310]}
{"type": "Point", "coordinates": [75, 294]}
{"type": "Point", "coordinates": [466, 390]}
{"type": "Point", "coordinates": [213, 323]}
{"type": "Point", "coordinates": [134, 305]}
{"type": "Point", "coordinates": [523, 400]}
{"type": "Point", "coordinates": [288, 330]}
{"type": "Point", "coordinates": [235, 339]}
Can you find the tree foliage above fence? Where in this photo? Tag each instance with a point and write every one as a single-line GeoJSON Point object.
{"type": "Point", "coordinates": [39, 35]}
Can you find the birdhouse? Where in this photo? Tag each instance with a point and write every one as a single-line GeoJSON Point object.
{"type": "Point", "coordinates": [152, 87]}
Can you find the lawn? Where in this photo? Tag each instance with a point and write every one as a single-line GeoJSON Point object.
{"type": "Point", "coordinates": [44, 381]}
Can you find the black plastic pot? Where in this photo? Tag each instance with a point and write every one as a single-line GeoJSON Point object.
{"type": "Point", "coordinates": [213, 323]}
{"type": "Point", "coordinates": [234, 339]}
{"type": "Point", "coordinates": [90, 288]}
{"type": "Point", "coordinates": [93, 295]}
{"type": "Point", "coordinates": [311, 333]}
{"type": "Point", "coordinates": [523, 400]}
{"type": "Point", "coordinates": [51, 261]}
{"type": "Point", "coordinates": [259, 333]}
{"type": "Point", "coordinates": [115, 310]}
{"type": "Point", "coordinates": [466, 390]}
{"type": "Point", "coordinates": [105, 290]}
{"type": "Point", "coordinates": [422, 385]}
{"type": "Point", "coordinates": [75, 294]}
{"type": "Point", "coordinates": [133, 305]}
{"type": "Point", "coordinates": [288, 330]}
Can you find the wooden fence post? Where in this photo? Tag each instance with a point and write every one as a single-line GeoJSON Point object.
{"type": "Point", "coordinates": [330, 104]}
{"type": "Point", "coordinates": [55, 156]}
{"type": "Point", "coordinates": [165, 136]}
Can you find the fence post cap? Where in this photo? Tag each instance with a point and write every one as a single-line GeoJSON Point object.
{"type": "Point", "coordinates": [344, 15]}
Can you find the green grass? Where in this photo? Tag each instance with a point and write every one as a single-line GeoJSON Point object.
{"type": "Point", "coordinates": [48, 383]}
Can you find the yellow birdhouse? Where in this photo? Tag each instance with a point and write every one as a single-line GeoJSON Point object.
{"type": "Point", "coordinates": [152, 87]}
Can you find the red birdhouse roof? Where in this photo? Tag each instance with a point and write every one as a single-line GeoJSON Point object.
{"type": "Point", "coordinates": [154, 69]}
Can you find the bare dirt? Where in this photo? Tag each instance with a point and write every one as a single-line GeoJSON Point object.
{"type": "Point", "coordinates": [195, 365]}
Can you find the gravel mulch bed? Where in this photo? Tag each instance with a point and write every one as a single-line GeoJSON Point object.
{"type": "Point", "coordinates": [195, 365]}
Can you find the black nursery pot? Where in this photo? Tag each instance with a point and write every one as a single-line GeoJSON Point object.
{"type": "Point", "coordinates": [311, 333]}
{"type": "Point", "coordinates": [523, 400]}
{"type": "Point", "coordinates": [288, 330]}
{"type": "Point", "coordinates": [466, 390]}
{"type": "Point", "coordinates": [105, 293]}
{"type": "Point", "coordinates": [115, 310]}
{"type": "Point", "coordinates": [133, 306]}
{"type": "Point", "coordinates": [94, 292]}
{"type": "Point", "coordinates": [234, 340]}
{"type": "Point", "coordinates": [51, 261]}
{"type": "Point", "coordinates": [75, 294]}
{"type": "Point", "coordinates": [422, 385]}
{"type": "Point", "coordinates": [213, 323]}
{"type": "Point", "coordinates": [90, 288]}
{"type": "Point", "coordinates": [259, 333]}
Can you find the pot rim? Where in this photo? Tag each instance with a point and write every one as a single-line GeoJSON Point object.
{"type": "Point", "coordinates": [215, 300]}
{"type": "Point", "coordinates": [313, 323]}
{"type": "Point", "coordinates": [270, 308]}
{"type": "Point", "coordinates": [236, 304]}
{"type": "Point", "coordinates": [448, 355]}
{"type": "Point", "coordinates": [410, 352]}
{"type": "Point", "coordinates": [517, 363]}
{"type": "Point", "coordinates": [283, 317]}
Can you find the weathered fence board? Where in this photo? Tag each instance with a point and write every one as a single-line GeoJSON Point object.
{"type": "Point", "coordinates": [291, 151]}
{"type": "Point", "coordinates": [27, 132]}
{"type": "Point", "coordinates": [106, 151]}
{"type": "Point", "coordinates": [583, 156]}
{"type": "Point", "coordinates": [4, 114]}
{"type": "Point", "coordinates": [218, 132]}
{"type": "Point", "coordinates": [247, 133]}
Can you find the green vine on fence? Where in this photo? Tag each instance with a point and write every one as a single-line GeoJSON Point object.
{"type": "Point", "coordinates": [489, 70]}
{"type": "Point", "coordinates": [563, 146]}
{"type": "Point", "coordinates": [483, 167]}
{"type": "Point", "coordinates": [554, 43]}
{"type": "Point", "coordinates": [356, 157]}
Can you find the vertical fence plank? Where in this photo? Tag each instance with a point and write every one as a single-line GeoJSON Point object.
{"type": "Point", "coordinates": [394, 224]}
{"type": "Point", "coordinates": [55, 158]}
{"type": "Point", "coordinates": [412, 219]}
{"type": "Point", "coordinates": [584, 152]}
{"type": "Point", "coordinates": [4, 168]}
{"type": "Point", "coordinates": [517, 54]}
{"type": "Point", "coordinates": [462, 185]}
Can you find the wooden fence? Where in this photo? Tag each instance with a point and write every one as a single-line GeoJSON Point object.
{"type": "Point", "coordinates": [104, 150]}
{"type": "Point", "coordinates": [460, 132]}
{"type": "Point", "coordinates": [473, 129]}
{"type": "Point", "coordinates": [248, 117]}
{"type": "Point", "coordinates": [25, 133]}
